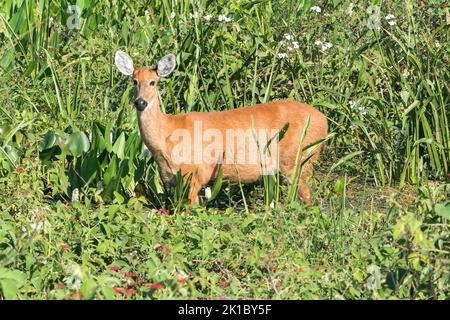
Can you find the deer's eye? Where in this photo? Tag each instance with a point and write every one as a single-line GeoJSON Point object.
{"type": "Point", "coordinates": [135, 82]}
{"type": "Point", "coordinates": [152, 83]}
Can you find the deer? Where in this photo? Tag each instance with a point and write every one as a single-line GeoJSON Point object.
{"type": "Point", "coordinates": [201, 145]}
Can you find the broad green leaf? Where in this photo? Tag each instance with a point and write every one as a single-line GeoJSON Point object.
{"type": "Point", "coordinates": [78, 143]}
{"type": "Point", "coordinates": [119, 146]}
{"type": "Point", "coordinates": [443, 210]}
{"type": "Point", "coordinates": [48, 141]}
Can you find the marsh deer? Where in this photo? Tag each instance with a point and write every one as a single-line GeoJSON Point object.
{"type": "Point", "coordinates": [202, 144]}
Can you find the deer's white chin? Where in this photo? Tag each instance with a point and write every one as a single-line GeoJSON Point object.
{"type": "Point", "coordinates": [150, 104]}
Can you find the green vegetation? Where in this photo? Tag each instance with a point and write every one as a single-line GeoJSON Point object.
{"type": "Point", "coordinates": [83, 212]}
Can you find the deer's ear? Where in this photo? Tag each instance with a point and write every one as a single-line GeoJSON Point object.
{"type": "Point", "coordinates": [166, 65]}
{"type": "Point", "coordinates": [124, 63]}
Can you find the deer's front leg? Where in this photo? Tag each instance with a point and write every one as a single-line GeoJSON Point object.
{"type": "Point", "coordinates": [191, 177]}
{"type": "Point", "coordinates": [194, 190]}
{"type": "Point", "coordinates": [198, 177]}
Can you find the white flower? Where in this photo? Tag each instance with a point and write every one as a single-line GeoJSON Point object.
{"type": "Point", "coordinates": [316, 9]}
{"type": "Point", "coordinates": [362, 110]}
{"type": "Point", "coordinates": [272, 204]}
{"type": "Point", "coordinates": [290, 48]}
{"type": "Point", "coordinates": [295, 45]}
{"type": "Point", "coordinates": [39, 226]}
{"type": "Point", "coordinates": [75, 195]}
{"type": "Point", "coordinates": [208, 193]}
{"type": "Point", "coordinates": [437, 44]}
{"type": "Point", "coordinates": [208, 17]}
{"type": "Point", "coordinates": [73, 281]}
{"type": "Point", "coordinates": [350, 9]}
{"type": "Point", "coordinates": [173, 15]}
{"type": "Point", "coordinates": [51, 21]}
{"type": "Point", "coordinates": [326, 46]}
{"type": "Point", "coordinates": [193, 15]}
{"type": "Point", "coordinates": [289, 37]}
{"type": "Point", "coordinates": [223, 18]}
{"type": "Point", "coordinates": [352, 104]}
{"type": "Point", "coordinates": [391, 20]}
{"type": "Point", "coordinates": [282, 55]}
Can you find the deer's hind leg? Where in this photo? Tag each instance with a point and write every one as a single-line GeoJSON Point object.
{"type": "Point", "coordinates": [303, 189]}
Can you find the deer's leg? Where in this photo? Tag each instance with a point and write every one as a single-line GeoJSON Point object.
{"type": "Point", "coordinates": [303, 189]}
{"type": "Point", "coordinates": [198, 177]}
{"type": "Point", "coordinates": [194, 190]}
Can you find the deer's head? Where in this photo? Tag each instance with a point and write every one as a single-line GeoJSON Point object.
{"type": "Point", "coordinates": [145, 79]}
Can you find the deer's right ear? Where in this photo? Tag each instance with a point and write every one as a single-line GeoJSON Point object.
{"type": "Point", "coordinates": [166, 65]}
{"type": "Point", "coordinates": [124, 63]}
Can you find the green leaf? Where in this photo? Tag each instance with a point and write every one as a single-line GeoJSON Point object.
{"type": "Point", "coordinates": [120, 199]}
{"type": "Point", "coordinates": [48, 142]}
{"type": "Point", "coordinates": [10, 282]}
{"type": "Point", "coordinates": [443, 210]}
{"type": "Point", "coordinates": [108, 137]}
{"type": "Point", "coordinates": [119, 146]}
{"type": "Point", "coordinates": [217, 186]}
{"type": "Point", "coordinates": [339, 186]}
{"type": "Point", "coordinates": [9, 288]}
{"type": "Point", "coordinates": [78, 143]}
{"type": "Point", "coordinates": [90, 166]}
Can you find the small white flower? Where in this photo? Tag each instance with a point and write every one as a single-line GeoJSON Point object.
{"type": "Point", "coordinates": [316, 9]}
{"type": "Point", "coordinates": [173, 15]}
{"type": "Point", "coordinates": [184, 292]}
{"type": "Point", "coordinates": [295, 45]}
{"type": "Point", "coordinates": [352, 104]}
{"type": "Point", "coordinates": [362, 110]}
{"type": "Point", "coordinates": [73, 281]}
{"type": "Point", "coordinates": [282, 55]}
{"type": "Point", "coordinates": [75, 195]}
{"type": "Point", "coordinates": [326, 46]}
{"type": "Point", "coordinates": [208, 193]}
{"type": "Point", "coordinates": [208, 17]}
{"type": "Point", "coordinates": [223, 18]}
{"type": "Point", "coordinates": [39, 226]}
{"type": "Point", "coordinates": [272, 204]}
{"type": "Point", "coordinates": [51, 21]}
{"type": "Point", "coordinates": [391, 20]}
{"type": "Point", "coordinates": [437, 44]}
{"type": "Point", "coordinates": [405, 73]}
{"type": "Point", "coordinates": [193, 15]}
{"type": "Point", "coordinates": [289, 37]}
{"type": "Point", "coordinates": [290, 48]}
{"type": "Point", "coordinates": [350, 9]}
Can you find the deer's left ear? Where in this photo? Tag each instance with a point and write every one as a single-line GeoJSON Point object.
{"type": "Point", "coordinates": [124, 63]}
{"type": "Point", "coordinates": [166, 65]}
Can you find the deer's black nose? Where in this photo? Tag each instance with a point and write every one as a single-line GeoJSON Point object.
{"type": "Point", "coordinates": [140, 104]}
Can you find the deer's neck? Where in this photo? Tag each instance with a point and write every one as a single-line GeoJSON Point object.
{"type": "Point", "coordinates": [152, 124]}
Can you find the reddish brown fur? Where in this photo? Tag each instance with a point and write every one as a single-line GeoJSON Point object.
{"type": "Point", "coordinates": [156, 129]}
